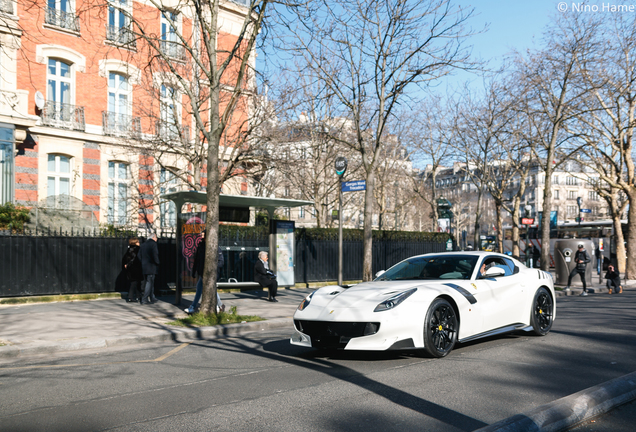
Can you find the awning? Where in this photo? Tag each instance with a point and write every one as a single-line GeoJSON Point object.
{"type": "Point", "coordinates": [240, 201]}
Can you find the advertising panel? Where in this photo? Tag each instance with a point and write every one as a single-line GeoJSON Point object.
{"type": "Point", "coordinates": [192, 225]}
{"type": "Point", "coordinates": [285, 253]}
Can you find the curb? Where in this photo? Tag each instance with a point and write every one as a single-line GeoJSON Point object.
{"type": "Point", "coordinates": [567, 412]}
{"type": "Point", "coordinates": [177, 334]}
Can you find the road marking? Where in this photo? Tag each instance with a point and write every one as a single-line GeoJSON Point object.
{"type": "Point", "coordinates": [158, 359]}
{"type": "Point", "coordinates": [174, 351]}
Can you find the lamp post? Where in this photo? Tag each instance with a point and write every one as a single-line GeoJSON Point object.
{"type": "Point", "coordinates": [578, 202]}
{"type": "Point", "coordinates": [341, 167]}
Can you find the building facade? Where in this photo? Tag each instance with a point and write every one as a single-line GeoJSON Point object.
{"type": "Point", "coordinates": [569, 184]}
{"type": "Point", "coordinates": [85, 124]}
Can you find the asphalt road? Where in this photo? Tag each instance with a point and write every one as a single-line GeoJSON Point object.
{"type": "Point", "coordinates": [260, 382]}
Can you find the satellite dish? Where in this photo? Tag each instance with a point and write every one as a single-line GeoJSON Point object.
{"type": "Point", "coordinates": [39, 100]}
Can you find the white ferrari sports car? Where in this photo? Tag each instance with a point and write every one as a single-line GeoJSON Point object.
{"type": "Point", "coordinates": [429, 302]}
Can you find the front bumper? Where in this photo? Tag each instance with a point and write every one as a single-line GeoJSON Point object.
{"type": "Point", "coordinates": [329, 334]}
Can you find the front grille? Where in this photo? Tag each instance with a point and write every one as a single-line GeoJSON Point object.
{"type": "Point", "coordinates": [335, 334]}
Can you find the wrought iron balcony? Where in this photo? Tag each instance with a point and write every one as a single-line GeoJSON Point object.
{"type": "Point", "coordinates": [173, 50]}
{"type": "Point", "coordinates": [6, 6]}
{"type": "Point", "coordinates": [66, 20]}
{"type": "Point", "coordinates": [121, 36]}
{"type": "Point", "coordinates": [64, 116]}
{"type": "Point", "coordinates": [169, 132]}
{"type": "Point", "coordinates": [121, 125]}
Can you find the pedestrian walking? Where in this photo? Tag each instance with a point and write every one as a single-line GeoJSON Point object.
{"type": "Point", "coordinates": [581, 258]}
{"type": "Point", "coordinates": [536, 256]}
{"type": "Point", "coordinates": [149, 257]}
{"type": "Point", "coordinates": [265, 277]}
{"type": "Point", "coordinates": [613, 280]}
{"type": "Point", "coordinates": [197, 269]}
{"type": "Point", "coordinates": [132, 269]}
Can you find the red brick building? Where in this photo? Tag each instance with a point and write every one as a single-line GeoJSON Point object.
{"type": "Point", "coordinates": [81, 106]}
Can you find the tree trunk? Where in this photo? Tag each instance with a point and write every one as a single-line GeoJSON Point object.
{"type": "Point", "coordinates": [500, 237]}
{"type": "Point", "coordinates": [515, 228]}
{"type": "Point", "coordinates": [477, 233]}
{"type": "Point", "coordinates": [630, 264]}
{"type": "Point", "coordinates": [367, 244]}
{"type": "Point", "coordinates": [208, 301]}
{"type": "Point", "coordinates": [547, 204]}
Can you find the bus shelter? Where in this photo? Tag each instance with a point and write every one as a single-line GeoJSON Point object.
{"type": "Point", "coordinates": [232, 208]}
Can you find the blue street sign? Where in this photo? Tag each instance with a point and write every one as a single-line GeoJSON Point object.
{"type": "Point", "coordinates": [586, 210]}
{"type": "Point", "coordinates": [354, 186]}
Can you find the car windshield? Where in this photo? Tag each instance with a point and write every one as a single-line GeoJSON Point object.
{"type": "Point", "coordinates": [432, 267]}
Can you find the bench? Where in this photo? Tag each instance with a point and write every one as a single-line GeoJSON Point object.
{"type": "Point", "coordinates": [234, 284]}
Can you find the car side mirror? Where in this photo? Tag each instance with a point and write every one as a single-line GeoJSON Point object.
{"type": "Point", "coordinates": [494, 272]}
{"type": "Point", "coordinates": [380, 273]}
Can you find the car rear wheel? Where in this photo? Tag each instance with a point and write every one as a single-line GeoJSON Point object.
{"type": "Point", "coordinates": [440, 328]}
{"type": "Point", "coordinates": [542, 312]}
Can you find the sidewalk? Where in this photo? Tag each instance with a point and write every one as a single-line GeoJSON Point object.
{"type": "Point", "coordinates": [43, 328]}
{"type": "Point", "coordinates": [47, 328]}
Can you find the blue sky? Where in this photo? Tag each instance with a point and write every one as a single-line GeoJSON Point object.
{"type": "Point", "coordinates": [512, 24]}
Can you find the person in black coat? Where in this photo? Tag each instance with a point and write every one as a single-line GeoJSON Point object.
{"type": "Point", "coordinates": [581, 258]}
{"type": "Point", "coordinates": [149, 257]}
{"type": "Point", "coordinates": [132, 268]}
{"type": "Point", "coordinates": [265, 277]}
{"type": "Point", "coordinates": [613, 280]}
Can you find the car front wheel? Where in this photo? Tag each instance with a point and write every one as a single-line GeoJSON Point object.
{"type": "Point", "coordinates": [440, 328]}
{"type": "Point", "coordinates": [542, 312]}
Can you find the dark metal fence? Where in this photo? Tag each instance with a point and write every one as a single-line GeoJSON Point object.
{"type": "Point", "coordinates": [58, 264]}
{"type": "Point", "coordinates": [317, 260]}
{"type": "Point", "coordinates": [49, 265]}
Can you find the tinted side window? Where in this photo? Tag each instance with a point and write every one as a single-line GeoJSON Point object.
{"type": "Point", "coordinates": [501, 263]}
{"type": "Point", "coordinates": [510, 265]}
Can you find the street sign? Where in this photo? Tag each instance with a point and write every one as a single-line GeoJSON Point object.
{"type": "Point", "coordinates": [586, 210]}
{"type": "Point", "coordinates": [449, 245]}
{"type": "Point", "coordinates": [527, 221]}
{"type": "Point", "coordinates": [341, 165]}
{"type": "Point", "coordinates": [354, 186]}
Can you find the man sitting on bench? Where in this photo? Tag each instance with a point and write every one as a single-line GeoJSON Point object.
{"type": "Point", "coordinates": [265, 277]}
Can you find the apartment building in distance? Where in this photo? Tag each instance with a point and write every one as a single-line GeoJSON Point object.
{"type": "Point", "coordinates": [570, 182]}
{"type": "Point", "coordinates": [300, 164]}
{"type": "Point", "coordinates": [85, 123]}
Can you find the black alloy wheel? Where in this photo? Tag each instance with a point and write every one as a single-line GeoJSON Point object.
{"type": "Point", "coordinates": [542, 312]}
{"type": "Point", "coordinates": [440, 328]}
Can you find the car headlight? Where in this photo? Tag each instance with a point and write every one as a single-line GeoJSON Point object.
{"type": "Point", "coordinates": [303, 304]}
{"type": "Point", "coordinates": [393, 301]}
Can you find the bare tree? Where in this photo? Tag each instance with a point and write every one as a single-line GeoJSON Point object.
{"type": "Point", "coordinates": [609, 141]}
{"type": "Point", "coordinates": [480, 129]}
{"type": "Point", "coordinates": [554, 89]}
{"type": "Point", "coordinates": [302, 144]}
{"type": "Point", "coordinates": [216, 75]}
{"type": "Point", "coordinates": [370, 56]}
{"type": "Point", "coordinates": [431, 144]}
